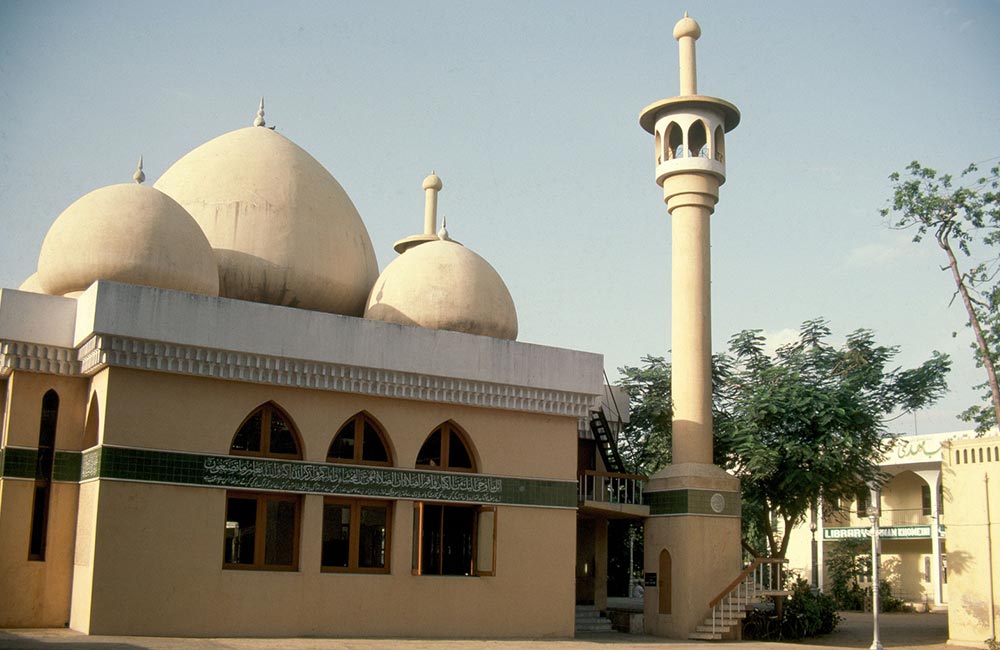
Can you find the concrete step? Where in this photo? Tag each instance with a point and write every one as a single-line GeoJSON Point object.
{"type": "Point", "coordinates": [704, 636]}
{"type": "Point", "coordinates": [589, 620]}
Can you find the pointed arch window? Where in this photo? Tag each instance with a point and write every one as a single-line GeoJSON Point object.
{"type": "Point", "coordinates": [262, 529]}
{"type": "Point", "coordinates": [360, 441]}
{"type": "Point", "coordinates": [675, 141]}
{"type": "Point", "coordinates": [698, 139]}
{"type": "Point", "coordinates": [452, 539]}
{"type": "Point", "coordinates": [357, 532]}
{"type": "Point", "coordinates": [43, 476]}
{"type": "Point", "coordinates": [267, 432]}
{"type": "Point", "coordinates": [446, 448]}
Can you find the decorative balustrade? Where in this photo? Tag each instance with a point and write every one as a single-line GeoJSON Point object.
{"type": "Point", "coordinates": [609, 487]}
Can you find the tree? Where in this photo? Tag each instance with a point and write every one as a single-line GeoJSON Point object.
{"type": "Point", "coordinates": [964, 220]}
{"type": "Point", "coordinates": [807, 422]}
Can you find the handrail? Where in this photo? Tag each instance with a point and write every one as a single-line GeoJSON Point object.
{"type": "Point", "coordinates": [757, 562]}
{"type": "Point", "coordinates": [592, 472]}
{"type": "Point", "coordinates": [610, 487]}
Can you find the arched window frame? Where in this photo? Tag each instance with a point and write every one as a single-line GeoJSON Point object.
{"type": "Point", "coordinates": [267, 411]}
{"type": "Point", "coordinates": [449, 431]}
{"type": "Point", "coordinates": [262, 528]}
{"type": "Point", "coordinates": [472, 528]}
{"type": "Point", "coordinates": [674, 141]}
{"type": "Point", "coordinates": [357, 532]}
{"type": "Point", "coordinates": [358, 421]}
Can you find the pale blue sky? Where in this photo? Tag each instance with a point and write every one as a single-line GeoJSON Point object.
{"type": "Point", "coordinates": [528, 111]}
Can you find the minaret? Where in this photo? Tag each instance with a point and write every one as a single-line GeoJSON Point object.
{"type": "Point", "coordinates": [692, 538]}
{"type": "Point", "coordinates": [432, 185]}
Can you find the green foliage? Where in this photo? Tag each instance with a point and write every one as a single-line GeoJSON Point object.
{"type": "Point", "coordinates": [847, 562]}
{"type": "Point", "coordinates": [809, 421]}
{"type": "Point", "coordinates": [962, 215]}
{"type": "Point", "coordinates": [805, 613]}
{"type": "Point", "coordinates": [644, 442]}
{"type": "Point", "coordinates": [805, 422]}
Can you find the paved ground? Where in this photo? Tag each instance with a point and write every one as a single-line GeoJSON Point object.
{"type": "Point", "coordinates": [902, 631]}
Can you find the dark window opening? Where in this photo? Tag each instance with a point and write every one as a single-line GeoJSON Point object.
{"type": "Point", "coordinates": [43, 476]}
{"type": "Point", "coordinates": [359, 441]}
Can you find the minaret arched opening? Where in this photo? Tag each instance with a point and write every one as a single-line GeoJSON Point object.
{"type": "Point", "coordinates": [720, 144]}
{"type": "Point", "coordinates": [698, 139]}
{"type": "Point", "coordinates": [675, 141]}
{"type": "Point", "coordinates": [659, 148]}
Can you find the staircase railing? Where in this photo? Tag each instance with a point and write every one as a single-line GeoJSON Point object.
{"type": "Point", "coordinates": [610, 487]}
{"type": "Point", "coordinates": [762, 577]}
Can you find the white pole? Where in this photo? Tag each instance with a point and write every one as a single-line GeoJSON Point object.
{"type": "Point", "coordinates": [873, 513]}
{"type": "Point", "coordinates": [989, 554]}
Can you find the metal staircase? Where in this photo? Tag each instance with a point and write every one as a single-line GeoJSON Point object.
{"type": "Point", "coordinates": [606, 442]}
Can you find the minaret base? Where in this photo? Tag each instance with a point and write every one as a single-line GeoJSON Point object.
{"type": "Point", "coordinates": [692, 544]}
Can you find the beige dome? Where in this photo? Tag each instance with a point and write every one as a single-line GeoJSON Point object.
{"type": "Point", "coordinates": [443, 285]}
{"type": "Point", "coordinates": [31, 284]}
{"type": "Point", "coordinates": [128, 233]}
{"type": "Point", "coordinates": [283, 229]}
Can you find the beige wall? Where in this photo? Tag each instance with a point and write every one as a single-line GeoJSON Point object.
{"type": "Point", "coordinates": [971, 571]}
{"type": "Point", "coordinates": [42, 593]}
{"type": "Point", "coordinates": [35, 593]}
{"type": "Point", "coordinates": [159, 571]}
{"type": "Point", "coordinates": [143, 409]}
{"type": "Point", "coordinates": [150, 548]}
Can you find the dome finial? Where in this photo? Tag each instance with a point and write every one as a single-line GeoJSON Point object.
{"type": "Point", "coordinates": [139, 176]}
{"type": "Point", "coordinates": [443, 232]}
{"type": "Point", "coordinates": [259, 121]}
{"type": "Point", "coordinates": [686, 32]}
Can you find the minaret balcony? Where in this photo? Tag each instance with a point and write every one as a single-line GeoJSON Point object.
{"type": "Point", "coordinates": [691, 165]}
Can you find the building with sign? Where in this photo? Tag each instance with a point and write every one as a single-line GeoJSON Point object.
{"type": "Point", "coordinates": [220, 419]}
{"type": "Point", "coordinates": [912, 525]}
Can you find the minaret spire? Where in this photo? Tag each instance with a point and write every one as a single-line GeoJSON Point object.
{"type": "Point", "coordinates": [139, 176]}
{"type": "Point", "coordinates": [686, 32]}
{"type": "Point", "coordinates": [259, 120]}
{"type": "Point", "coordinates": [432, 185]}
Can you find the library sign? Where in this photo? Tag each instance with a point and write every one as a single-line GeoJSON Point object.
{"type": "Point", "coordinates": [887, 532]}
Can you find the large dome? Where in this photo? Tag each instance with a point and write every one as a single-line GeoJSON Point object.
{"type": "Point", "coordinates": [443, 285]}
{"type": "Point", "coordinates": [128, 233]}
{"type": "Point", "coordinates": [283, 229]}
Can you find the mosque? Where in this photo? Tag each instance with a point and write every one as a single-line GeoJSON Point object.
{"type": "Point", "coordinates": [220, 419]}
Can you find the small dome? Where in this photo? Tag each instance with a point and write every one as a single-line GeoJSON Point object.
{"type": "Point", "coordinates": [443, 285]}
{"type": "Point", "coordinates": [127, 233]}
{"type": "Point", "coordinates": [283, 229]}
{"type": "Point", "coordinates": [687, 26]}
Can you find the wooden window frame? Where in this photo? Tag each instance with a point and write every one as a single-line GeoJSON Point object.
{"type": "Point", "coordinates": [354, 540]}
{"type": "Point", "coordinates": [260, 535]}
{"type": "Point", "coordinates": [448, 429]}
{"type": "Point", "coordinates": [359, 420]}
{"type": "Point", "coordinates": [418, 540]}
{"type": "Point", "coordinates": [266, 411]}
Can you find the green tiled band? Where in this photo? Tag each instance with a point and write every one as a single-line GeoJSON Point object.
{"type": "Point", "coordinates": [17, 462]}
{"type": "Point", "coordinates": [239, 472]}
{"type": "Point", "coordinates": [715, 503]}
